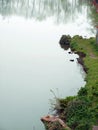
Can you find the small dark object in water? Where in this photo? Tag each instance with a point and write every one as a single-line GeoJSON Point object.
{"type": "Point", "coordinates": [72, 60]}
{"type": "Point", "coordinates": [70, 52]}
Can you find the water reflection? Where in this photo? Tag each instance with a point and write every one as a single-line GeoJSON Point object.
{"type": "Point", "coordinates": [63, 10]}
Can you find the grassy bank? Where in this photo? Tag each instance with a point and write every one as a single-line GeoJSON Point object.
{"type": "Point", "coordinates": [81, 112]}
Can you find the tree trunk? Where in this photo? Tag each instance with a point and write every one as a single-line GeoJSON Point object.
{"type": "Point", "coordinates": [97, 36]}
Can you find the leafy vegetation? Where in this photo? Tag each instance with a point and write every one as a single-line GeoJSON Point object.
{"type": "Point", "coordinates": [81, 112]}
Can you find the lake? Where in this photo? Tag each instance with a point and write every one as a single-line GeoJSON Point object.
{"type": "Point", "coordinates": [32, 62]}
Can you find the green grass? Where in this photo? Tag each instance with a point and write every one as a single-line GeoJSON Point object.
{"type": "Point", "coordinates": [89, 47]}
{"type": "Point", "coordinates": [81, 112]}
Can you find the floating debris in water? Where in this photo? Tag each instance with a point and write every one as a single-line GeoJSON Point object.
{"type": "Point", "coordinates": [72, 60]}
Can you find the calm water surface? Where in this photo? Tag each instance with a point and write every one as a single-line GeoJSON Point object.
{"type": "Point", "coordinates": [31, 60]}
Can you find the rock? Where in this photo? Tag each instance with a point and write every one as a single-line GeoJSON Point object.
{"type": "Point", "coordinates": [54, 123]}
{"type": "Point", "coordinates": [65, 41]}
{"type": "Point", "coordinates": [80, 61]}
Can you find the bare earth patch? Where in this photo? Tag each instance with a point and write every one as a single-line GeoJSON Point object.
{"type": "Point", "coordinates": [93, 56]}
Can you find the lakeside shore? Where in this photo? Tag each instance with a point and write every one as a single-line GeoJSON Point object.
{"type": "Point", "coordinates": [81, 112]}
